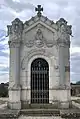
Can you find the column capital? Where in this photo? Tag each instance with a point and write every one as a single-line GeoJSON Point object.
{"type": "Point", "coordinates": [14, 44]}
{"type": "Point", "coordinates": [63, 42]}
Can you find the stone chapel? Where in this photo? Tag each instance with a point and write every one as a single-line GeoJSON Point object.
{"type": "Point", "coordinates": [39, 62]}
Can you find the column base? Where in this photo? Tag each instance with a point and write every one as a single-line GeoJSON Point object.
{"type": "Point", "coordinates": [65, 104]}
{"type": "Point", "coordinates": [14, 97]}
{"type": "Point", "coordinates": [14, 105]}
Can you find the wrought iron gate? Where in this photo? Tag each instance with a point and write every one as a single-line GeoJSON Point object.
{"type": "Point", "coordinates": [39, 81]}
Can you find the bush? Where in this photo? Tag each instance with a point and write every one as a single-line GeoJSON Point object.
{"type": "Point", "coordinates": [3, 91]}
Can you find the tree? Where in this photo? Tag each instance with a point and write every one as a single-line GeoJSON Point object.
{"type": "Point", "coordinates": [78, 82]}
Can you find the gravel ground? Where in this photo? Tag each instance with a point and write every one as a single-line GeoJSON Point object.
{"type": "Point", "coordinates": [75, 98]}
{"type": "Point", "coordinates": [29, 117]}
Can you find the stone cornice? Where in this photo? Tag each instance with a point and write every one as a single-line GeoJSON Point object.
{"type": "Point", "coordinates": [52, 29]}
{"type": "Point", "coordinates": [43, 20]}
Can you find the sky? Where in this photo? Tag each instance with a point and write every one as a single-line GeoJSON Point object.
{"type": "Point", "coordinates": [54, 10]}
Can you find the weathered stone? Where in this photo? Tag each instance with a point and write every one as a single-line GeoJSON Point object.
{"type": "Point", "coordinates": [43, 40]}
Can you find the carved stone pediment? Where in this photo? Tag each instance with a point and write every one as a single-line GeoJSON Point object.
{"type": "Point", "coordinates": [56, 33]}
{"type": "Point", "coordinates": [40, 36]}
{"type": "Point", "coordinates": [35, 21]}
{"type": "Point", "coordinates": [39, 40]}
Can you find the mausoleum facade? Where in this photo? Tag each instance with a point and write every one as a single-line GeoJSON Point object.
{"type": "Point", "coordinates": [39, 62]}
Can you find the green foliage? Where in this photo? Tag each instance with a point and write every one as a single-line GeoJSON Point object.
{"type": "Point", "coordinates": [3, 91]}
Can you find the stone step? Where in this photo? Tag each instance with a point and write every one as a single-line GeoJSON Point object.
{"type": "Point", "coordinates": [39, 106]}
{"type": "Point", "coordinates": [40, 112]}
{"type": "Point", "coordinates": [39, 117]}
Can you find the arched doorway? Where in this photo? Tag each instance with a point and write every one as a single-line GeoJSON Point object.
{"type": "Point", "coordinates": [39, 81]}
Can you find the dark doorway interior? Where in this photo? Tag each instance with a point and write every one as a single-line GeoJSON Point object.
{"type": "Point", "coordinates": [39, 81]}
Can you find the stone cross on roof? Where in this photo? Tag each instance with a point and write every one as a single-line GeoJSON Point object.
{"type": "Point", "coordinates": [39, 9]}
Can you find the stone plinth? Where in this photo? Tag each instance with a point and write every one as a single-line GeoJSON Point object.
{"type": "Point", "coordinates": [14, 97]}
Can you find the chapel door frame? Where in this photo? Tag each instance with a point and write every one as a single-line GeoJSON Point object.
{"type": "Point", "coordinates": [36, 77]}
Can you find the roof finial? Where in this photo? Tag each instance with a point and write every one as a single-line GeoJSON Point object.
{"type": "Point", "coordinates": [39, 9]}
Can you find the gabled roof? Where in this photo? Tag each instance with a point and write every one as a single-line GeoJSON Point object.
{"type": "Point", "coordinates": [40, 20]}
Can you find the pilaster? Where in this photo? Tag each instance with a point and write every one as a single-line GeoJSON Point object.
{"type": "Point", "coordinates": [61, 64]}
{"type": "Point", "coordinates": [64, 32]}
{"type": "Point", "coordinates": [15, 37]}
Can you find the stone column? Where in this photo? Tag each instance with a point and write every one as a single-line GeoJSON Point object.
{"type": "Point", "coordinates": [61, 64]}
{"type": "Point", "coordinates": [64, 32]}
{"type": "Point", "coordinates": [15, 89]}
{"type": "Point", "coordinates": [16, 68]}
{"type": "Point", "coordinates": [15, 37]}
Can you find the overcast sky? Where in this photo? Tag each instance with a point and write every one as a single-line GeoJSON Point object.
{"type": "Point", "coordinates": [53, 9]}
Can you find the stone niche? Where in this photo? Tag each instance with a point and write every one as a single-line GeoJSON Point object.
{"type": "Point", "coordinates": [46, 44]}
